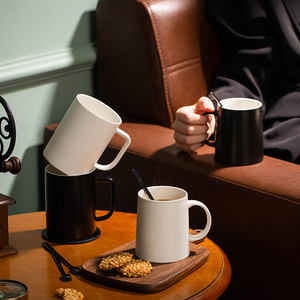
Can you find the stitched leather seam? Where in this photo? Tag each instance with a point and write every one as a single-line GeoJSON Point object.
{"type": "Point", "coordinates": [216, 177]}
{"type": "Point", "coordinates": [182, 69]}
{"type": "Point", "coordinates": [160, 51]}
{"type": "Point", "coordinates": [167, 76]}
{"type": "Point", "coordinates": [256, 190]}
{"type": "Point", "coordinates": [188, 62]}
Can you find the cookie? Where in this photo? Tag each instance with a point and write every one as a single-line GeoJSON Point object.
{"type": "Point", "coordinates": [136, 268]}
{"type": "Point", "coordinates": [115, 260]}
{"type": "Point", "coordinates": [69, 294]}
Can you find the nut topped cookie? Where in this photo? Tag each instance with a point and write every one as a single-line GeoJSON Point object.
{"type": "Point", "coordinates": [124, 263]}
{"type": "Point", "coordinates": [115, 260]}
{"type": "Point", "coordinates": [69, 294]}
{"type": "Point", "coordinates": [136, 268]}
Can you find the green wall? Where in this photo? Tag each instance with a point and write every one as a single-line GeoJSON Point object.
{"type": "Point", "coordinates": [47, 57]}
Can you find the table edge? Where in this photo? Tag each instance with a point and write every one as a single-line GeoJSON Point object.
{"type": "Point", "coordinates": [220, 284]}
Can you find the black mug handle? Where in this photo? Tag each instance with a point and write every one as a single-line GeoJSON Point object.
{"type": "Point", "coordinates": [208, 142]}
{"type": "Point", "coordinates": [112, 206]}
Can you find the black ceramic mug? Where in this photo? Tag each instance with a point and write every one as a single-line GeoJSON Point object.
{"type": "Point", "coordinates": [71, 205]}
{"type": "Point", "coordinates": [239, 132]}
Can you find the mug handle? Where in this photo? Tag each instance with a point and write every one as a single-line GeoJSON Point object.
{"type": "Point", "coordinates": [127, 139]}
{"type": "Point", "coordinates": [202, 234]}
{"type": "Point", "coordinates": [209, 143]}
{"type": "Point", "coordinates": [215, 112]}
{"type": "Point", "coordinates": [112, 205]}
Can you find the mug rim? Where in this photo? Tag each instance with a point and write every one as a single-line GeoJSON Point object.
{"type": "Point", "coordinates": [57, 172]}
{"type": "Point", "coordinates": [104, 105]}
{"type": "Point", "coordinates": [142, 194]}
{"type": "Point", "coordinates": [258, 103]}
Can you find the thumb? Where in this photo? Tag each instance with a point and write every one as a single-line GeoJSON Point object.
{"type": "Point", "coordinates": [203, 105]}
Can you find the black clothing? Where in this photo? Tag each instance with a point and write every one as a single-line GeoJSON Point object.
{"type": "Point", "coordinates": [259, 42]}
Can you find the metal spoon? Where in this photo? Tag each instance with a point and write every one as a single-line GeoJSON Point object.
{"type": "Point", "coordinates": [64, 277]}
{"type": "Point", "coordinates": [74, 270]}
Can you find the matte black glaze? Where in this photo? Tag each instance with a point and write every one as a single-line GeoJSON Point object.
{"type": "Point", "coordinates": [70, 207]}
{"type": "Point", "coordinates": [239, 137]}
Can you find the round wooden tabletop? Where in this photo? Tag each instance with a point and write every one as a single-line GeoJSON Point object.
{"type": "Point", "coordinates": [34, 266]}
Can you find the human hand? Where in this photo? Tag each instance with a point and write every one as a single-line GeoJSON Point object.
{"type": "Point", "coordinates": [191, 127]}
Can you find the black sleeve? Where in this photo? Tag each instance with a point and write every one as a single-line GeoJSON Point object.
{"type": "Point", "coordinates": [259, 41]}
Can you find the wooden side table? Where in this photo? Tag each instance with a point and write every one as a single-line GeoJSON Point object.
{"type": "Point", "coordinates": [34, 266]}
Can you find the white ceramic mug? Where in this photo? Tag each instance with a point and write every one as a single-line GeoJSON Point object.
{"type": "Point", "coordinates": [162, 231]}
{"type": "Point", "coordinates": [83, 135]}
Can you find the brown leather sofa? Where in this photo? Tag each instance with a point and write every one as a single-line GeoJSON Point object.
{"type": "Point", "coordinates": [154, 57]}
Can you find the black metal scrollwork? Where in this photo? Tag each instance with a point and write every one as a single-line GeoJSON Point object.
{"type": "Point", "coordinates": [8, 132]}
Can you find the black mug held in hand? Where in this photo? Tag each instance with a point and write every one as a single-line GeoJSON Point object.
{"type": "Point", "coordinates": [71, 205]}
{"type": "Point", "coordinates": [239, 132]}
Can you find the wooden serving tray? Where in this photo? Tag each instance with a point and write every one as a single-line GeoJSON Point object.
{"type": "Point", "coordinates": [161, 277]}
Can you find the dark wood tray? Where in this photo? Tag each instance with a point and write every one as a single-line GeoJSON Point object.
{"type": "Point", "coordinates": [161, 277]}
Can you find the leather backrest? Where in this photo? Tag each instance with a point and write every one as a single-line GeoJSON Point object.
{"type": "Point", "coordinates": [153, 57]}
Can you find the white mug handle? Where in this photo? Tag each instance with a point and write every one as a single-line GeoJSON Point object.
{"type": "Point", "coordinates": [120, 154]}
{"type": "Point", "coordinates": [202, 234]}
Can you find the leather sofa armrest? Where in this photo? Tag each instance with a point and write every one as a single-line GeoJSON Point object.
{"type": "Point", "coordinates": [272, 176]}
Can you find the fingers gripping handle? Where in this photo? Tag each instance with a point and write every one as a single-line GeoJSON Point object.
{"type": "Point", "coordinates": [127, 139]}
{"type": "Point", "coordinates": [215, 113]}
{"type": "Point", "coordinates": [203, 234]}
{"type": "Point", "coordinates": [207, 142]}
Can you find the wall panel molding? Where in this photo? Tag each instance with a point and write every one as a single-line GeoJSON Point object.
{"type": "Point", "coordinates": [50, 65]}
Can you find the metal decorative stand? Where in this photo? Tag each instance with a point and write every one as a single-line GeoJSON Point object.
{"type": "Point", "coordinates": [12, 165]}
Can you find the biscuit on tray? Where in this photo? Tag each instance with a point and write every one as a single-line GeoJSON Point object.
{"type": "Point", "coordinates": [115, 260]}
{"type": "Point", "coordinates": [124, 264]}
{"type": "Point", "coordinates": [136, 268]}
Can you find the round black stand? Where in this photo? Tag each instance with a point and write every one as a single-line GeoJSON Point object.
{"type": "Point", "coordinates": [79, 241]}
